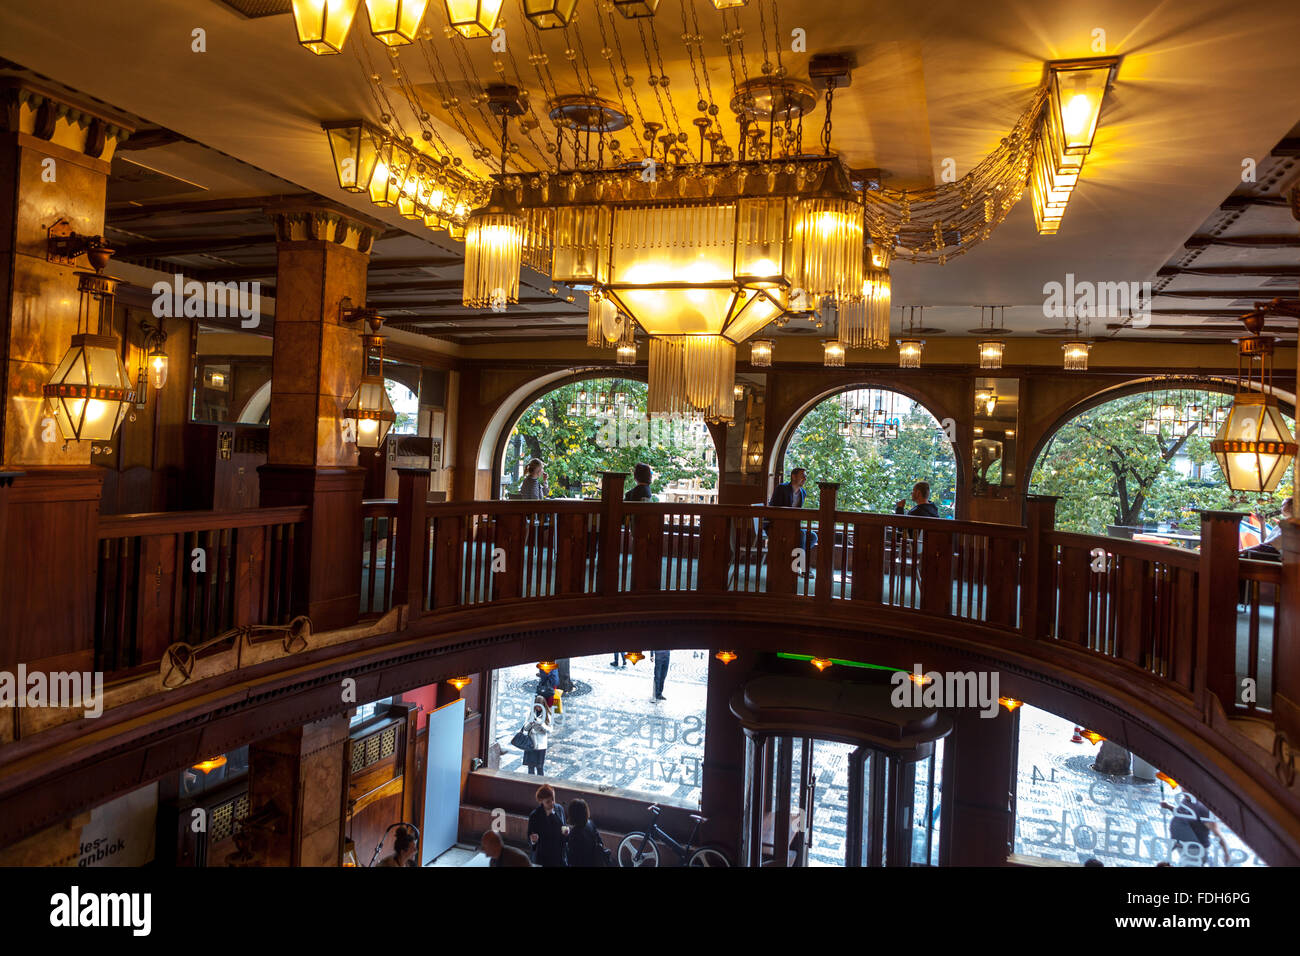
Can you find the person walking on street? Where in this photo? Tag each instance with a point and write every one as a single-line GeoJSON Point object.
{"type": "Point", "coordinates": [661, 673]}
{"type": "Point", "coordinates": [540, 728]}
{"type": "Point", "coordinates": [618, 656]}
{"type": "Point", "coordinates": [584, 843]}
{"type": "Point", "coordinates": [547, 829]}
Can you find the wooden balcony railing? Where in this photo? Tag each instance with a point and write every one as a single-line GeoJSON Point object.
{"type": "Point", "coordinates": [188, 576]}
{"type": "Point", "coordinates": [378, 554]}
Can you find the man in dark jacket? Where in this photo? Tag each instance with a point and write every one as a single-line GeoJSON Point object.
{"type": "Point", "coordinates": [546, 828]}
{"type": "Point", "coordinates": [924, 507]}
{"type": "Point", "coordinates": [499, 853]}
{"type": "Point", "coordinates": [792, 495]}
{"type": "Point", "coordinates": [641, 490]}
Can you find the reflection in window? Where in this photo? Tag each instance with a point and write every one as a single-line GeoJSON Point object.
{"type": "Point", "coordinates": [232, 378]}
{"type": "Point", "coordinates": [214, 772]}
{"type": "Point", "coordinates": [1068, 811]}
{"type": "Point", "coordinates": [609, 732]}
{"type": "Point", "coordinates": [406, 404]}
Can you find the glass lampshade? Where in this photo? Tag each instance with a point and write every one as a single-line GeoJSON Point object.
{"type": "Point", "coordinates": [828, 235]}
{"type": "Point", "coordinates": [157, 363]}
{"type": "Point", "coordinates": [626, 354]}
{"type": "Point", "coordinates": [355, 148]}
{"type": "Point", "coordinates": [1076, 356]}
{"type": "Point", "coordinates": [389, 176]}
{"type": "Point", "coordinates": [991, 354]}
{"type": "Point", "coordinates": [762, 243]}
{"type": "Point", "coordinates": [760, 353]}
{"type": "Point", "coordinates": [549, 14]}
{"type": "Point", "coordinates": [580, 244]}
{"type": "Point", "coordinates": [636, 8]}
{"type": "Point", "coordinates": [1254, 447]}
{"type": "Point", "coordinates": [603, 326]}
{"type": "Point", "coordinates": [1076, 104]}
{"type": "Point", "coordinates": [691, 375]}
{"type": "Point", "coordinates": [89, 394]}
{"type": "Point", "coordinates": [727, 4]}
{"type": "Point", "coordinates": [371, 409]}
{"type": "Point", "coordinates": [909, 352]}
{"type": "Point", "coordinates": [323, 25]}
{"type": "Point", "coordinates": [473, 18]}
{"type": "Point", "coordinates": [395, 22]}
{"type": "Point", "coordinates": [832, 354]}
{"type": "Point", "coordinates": [493, 254]}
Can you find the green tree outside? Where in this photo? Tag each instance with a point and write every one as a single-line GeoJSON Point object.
{"type": "Point", "coordinates": [872, 473]}
{"type": "Point", "coordinates": [1106, 472]}
{"type": "Point", "coordinates": [577, 448]}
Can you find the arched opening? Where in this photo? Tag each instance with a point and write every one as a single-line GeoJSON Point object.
{"type": "Point", "coordinates": [595, 423]}
{"type": "Point", "coordinates": [876, 443]}
{"type": "Point", "coordinates": [1138, 458]}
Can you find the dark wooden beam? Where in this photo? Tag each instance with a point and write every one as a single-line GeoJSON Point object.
{"type": "Point", "coordinates": [190, 247]}
{"type": "Point", "coordinates": [120, 212]}
{"type": "Point", "coordinates": [236, 273]}
{"type": "Point", "coordinates": [1250, 242]}
{"type": "Point", "coordinates": [1254, 272]}
{"type": "Point", "coordinates": [151, 139]}
{"type": "Point", "coordinates": [1235, 203]}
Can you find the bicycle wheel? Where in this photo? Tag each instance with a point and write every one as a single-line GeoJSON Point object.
{"type": "Point", "coordinates": [708, 856]}
{"type": "Point", "coordinates": [637, 849]}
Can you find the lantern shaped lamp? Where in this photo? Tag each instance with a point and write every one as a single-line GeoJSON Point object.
{"type": "Point", "coordinates": [760, 353]}
{"type": "Point", "coordinates": [549, 14]}
{"type": "Point", "coordinates": [355, 148]}
{"type": "Point", "coordinates": [494, 249]}
{"type": "Point", "coordinates": [909, 352]}
{"type": "Point", "coordinates": [370, 406]}
{"type": "Point", "coordinates": [832, 353]}
{"type": "Point", "coordinates": [991, 353]}
{"type": "Point", "coordinates": [636, 8]}
{"type": "Point", "coordinates": [1076, 356]}
{"type": "Point", "coordinates": [323, 25]}
{"type": "Point", "coordinates": [90, 392]}
{"type": "Point", "coordinates": [473, 18]}
{"type": "Point", "coordinates": [1254, 445]}
{"type": "Point", "coordinates": [395, 22]}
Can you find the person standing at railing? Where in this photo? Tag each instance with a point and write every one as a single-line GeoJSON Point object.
{"type": "Point", "coordinates": [791, 494]}
{"type": "Point", "coordinates": [534, 484]}
{"type": "Point", "coordinates": [925, 508]}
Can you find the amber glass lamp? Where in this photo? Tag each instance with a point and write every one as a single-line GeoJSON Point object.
{"type": "Point", "coordinates": [549, 14]}
{"type": "Point", "coordinates": [1254, 447]}
{"type": "Point", "coordinates": [395, 22]}
{"type": "Point", "coordinates": [760, 353]}
{"type": "Point", "coordinates": [473, 18]}
{"type": "Point", "coordinates": [323, 25]}
{"type": "Point", "coordinates": [90, 394]}
{"type": "Point", "coordinates": [370, 406]}
{"type": "Point", "coordinates": [636, 8]}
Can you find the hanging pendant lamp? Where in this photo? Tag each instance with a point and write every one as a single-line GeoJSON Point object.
{"type": "Point", "coordinates": [1254, 445]}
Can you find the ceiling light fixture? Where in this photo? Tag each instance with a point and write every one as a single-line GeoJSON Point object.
{"type": "Point", "coordinates": [323, 25]}
{"type": "Point", "coordinates": [369, 406]}
{"type": "Point", "coordinates": [832, 353]}
{"type": "Point", "coordinates": [549, 14]}
{"type": "Point", "coordinates": [473, 18]}
{"type": "Point", "coordinates": [633, 9]}
{"type": "Point", "coordinates": [910, 347]}
{"type": "Point", "coordinates": [760, 353]}
{"type": "Point", "coordinates": [395, 22]}
{"type": "Point", "coordinates": [991, 349]}
{"type": "Point", "coordinates": [1076, 89]}
{"type": "Point", "coordinates": [494, 235]}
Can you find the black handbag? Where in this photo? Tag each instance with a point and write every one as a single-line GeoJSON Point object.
{"type": "Point", "coordinates": [522, 741]}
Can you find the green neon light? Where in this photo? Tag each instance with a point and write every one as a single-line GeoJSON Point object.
{"type": "Point", "coordinates": [836, 660]}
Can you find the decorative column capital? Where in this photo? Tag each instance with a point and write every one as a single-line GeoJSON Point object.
{"type": "Point", "coordinates": [322, 221]}
{"type": "Point", "coordinates": [35, 110]}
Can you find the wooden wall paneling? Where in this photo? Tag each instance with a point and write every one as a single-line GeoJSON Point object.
{"type": "Point", "coordinates": [157, 595]}
{"type": "Point", "coordinates": [715, 554]}
{"type": "Point", "coordinates": [1001, 579]}
{"type": "Point", "coordinates": [868, 562]}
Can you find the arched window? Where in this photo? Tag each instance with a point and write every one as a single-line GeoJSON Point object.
{"type": "Point", "coordinates": [877, 444]}
{"type": "Point", "coordinates": [1142, 461]}
{"type": "Point", "coordinates": [594, 425]}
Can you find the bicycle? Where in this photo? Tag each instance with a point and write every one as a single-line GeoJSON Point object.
{"type": "Point", "coordinates": [638, 848]}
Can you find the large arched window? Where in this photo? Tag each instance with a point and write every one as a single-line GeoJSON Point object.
{"type": "Point", "coordinates": [586, 427]}
{"type": "Point", "coordinates": [877, 444]}
{"type": "Point", "coordinates": [1142, 461]}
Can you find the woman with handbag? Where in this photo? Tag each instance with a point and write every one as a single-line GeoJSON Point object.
{"type": "Point", "coordinates": [585, 845]}
{"type": "Point", "coordinates": [539, 729]}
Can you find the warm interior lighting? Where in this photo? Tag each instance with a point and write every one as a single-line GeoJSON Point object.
{"type": "Point", "coordinates": [821, 663]}
{"type": "Point", "coordinates": [157, 367]}
{"type": "Point", "coordinates": [828, 234]}
{"type": "Point", "coordinates": [738, 393]}
{"type": "Point", "coordinates": [355, 147]}
{"type": "Point", "coordinates": [395, 22]}
{"type": "Point", "coordinates": [1010, 703]}
{"type": "Point", "coordinates": [986, 401]}
{"type": "Point", "coordinates": [1069, 126]}
{"type": "Point", "coordinates": [636, 8]}
{"type": "Point", "coordinates": [90, 394]}
{"type": "Point", "coordinates": [494, 246]}
{"type": "Point", "coordinates": [920, 679]}
{"type": "Point", "coordinates": [211, 764]}
{"type": "Point", "coordinates": [634, 656]}
{"type": "Point", "coordinates": [761, 243]}
{"type": "Point", "coordinates": [909, 352]}
{"type": "Point", "coordinates": [1092, 737]}
{"type": "Point", "coordinates": [727, 4]}
{"type": "Point", "coordinates": [473, 18]}
{"type": "Point", "coordinates": [760, 353]}
{"type": "Point", "coordinates": [323, 25]}
{"type": "Point", "coordinates": [546, 666]}
{"type": "Point", "coordinates": [549, 14]}
{"type": "Point", "coordinates": [1254, 447]}
{"type": "Point", "coordinates": [832, 354]}
{"type": "Point", "coordinates": [625, 355]}
{"type": "Point", "coordinates": [691, 375]}
{"type": "Point", "coordinates": [370, 406]}
{"type": "Point", "coordinates": [991, 354]}
{"type": "Point", "coordinates": [725, 656]}
{"type": "Point", "coordinates": [1161, 775]}
{"type": "Point", "coordinates": [460, 683]}
{"type": "Point", "coordinates": [1076, 356]}
{"type": "Point", "coordinates": [580, 244]}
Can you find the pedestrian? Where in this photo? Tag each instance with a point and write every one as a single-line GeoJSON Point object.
{"type": "Point", "coordinates": [791, 494]}
{"type": "Point", "coordinates": [499, 853]}
{"type": "Point", "coordinates": [619, 656]}
{"type": "Point", "coordinates": [641, 490]}
{"type": "Point", "coordinates": [539, 728]}
{"type": "Point", "coordinates": [925, 508]}
{"type": "Point", "coordinates": [585, 846]}
{"type": "Point", "coordinates": [661, 672]}
{"type": "Point", "coordinates": [547, 829]}
{"type": "Point", "coordinates": [534, 484]}
{"type": "Point", "coordinates": [547, 682]}
{"type": "Point", "coordinates": [405, 846]}
{"type": "Point", "coordinates": [1192, 824]}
